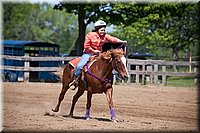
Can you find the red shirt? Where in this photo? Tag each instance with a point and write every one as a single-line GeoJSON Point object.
{"type": "Point", "coordinates": [94, 41]}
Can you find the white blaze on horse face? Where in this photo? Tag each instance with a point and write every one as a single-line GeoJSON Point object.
{"type": "Point", "coordinates": [124, 62]}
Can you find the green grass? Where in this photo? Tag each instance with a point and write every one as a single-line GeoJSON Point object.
{"type": "Point", "coordinates": [180, 82]}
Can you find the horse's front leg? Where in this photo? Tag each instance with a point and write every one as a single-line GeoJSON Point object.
{"type": "Point", "coordinates": [88, 105]}
{"type": "Point", "coordinates": [109, 93]}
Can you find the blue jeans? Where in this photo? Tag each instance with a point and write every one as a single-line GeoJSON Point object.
{"type": "Point", "coordinates": [83, 61]}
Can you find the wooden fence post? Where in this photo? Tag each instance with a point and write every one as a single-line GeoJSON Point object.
{"type": "Point", "coordinates": [143, 75]}
{"type": "Point", "coordinates": [149, 78]}
{"type": "Point", "coordinates": [137, 75]}
{"type": "Point", "coordinates": [151, 75]}
{"type": "Point", "coordinates": [175, 68]}
{"type": "Point", "coordinates": [26, 73]}
{"type": "Point", "coordinates": [163, 75]}
{"type": "Point", "coordinates": [190, 66]}
{"type": "Point", "coordinates": [156, 74]}
{"type": "Point", "coordinates": [195, 78]}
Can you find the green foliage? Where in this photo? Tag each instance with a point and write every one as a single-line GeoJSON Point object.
{"type": "Point", "coordinates": [86, 13]}
{"type": "Point", "coordinates": [180, 82]}
{"type": "Point", "coordinates": [39, 23]}
{"type": "Point", "coordinates": [16, 26]}
{"type": "Point", "coordinates": [150, 26]}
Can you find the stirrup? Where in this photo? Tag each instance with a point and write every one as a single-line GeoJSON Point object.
{"type": "Point", "coordinates": [74, 83]}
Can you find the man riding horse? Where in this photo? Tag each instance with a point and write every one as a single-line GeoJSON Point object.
{"type": "Point", "coordinates": [93, 46]}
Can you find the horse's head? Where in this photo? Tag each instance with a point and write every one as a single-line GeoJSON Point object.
{"type": "Point", "coordinates": [118, 62]}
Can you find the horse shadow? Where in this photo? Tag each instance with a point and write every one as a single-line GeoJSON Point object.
{"type": "Point", "coordinates": [103, 119]}
{"type": "Point", "coordinates": [77, 117]}
{"type": "Point", "coordinates": [83, 118]}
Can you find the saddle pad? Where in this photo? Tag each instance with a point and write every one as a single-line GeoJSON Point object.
{"type": "Point", "coordinates": [74, 61]}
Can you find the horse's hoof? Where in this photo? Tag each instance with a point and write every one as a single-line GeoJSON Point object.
{"type": "Point", "coordinates": [55, 110]}
{"type": "Point", "coordinates": [87, 118]}
{"type": "Point", "coordinates": [114, 120]}
{"type": "Point", "coordinates": [48, 114]}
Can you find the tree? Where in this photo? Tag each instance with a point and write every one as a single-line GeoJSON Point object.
{"type": "Point", "coordinates": [88, 13]}
{"type": "Point", "coordinates": [171, 25]}
{"type": "Point", "coordinates": [17, 22]}
{"type": "Point", "coordinates": [39, 22]}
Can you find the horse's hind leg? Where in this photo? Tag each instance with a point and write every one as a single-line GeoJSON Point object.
{"type": "Point", "coordinates": [65, 87]}
{"type": "Point", "coordinates": [67, 73]}
{"type": "Point", "coordinates": [75, 99]}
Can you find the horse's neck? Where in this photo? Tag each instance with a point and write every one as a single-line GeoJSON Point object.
{"type": "Point", "coordinates": [104, 67]}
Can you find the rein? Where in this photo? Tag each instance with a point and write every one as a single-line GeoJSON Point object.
{"type": "Point", "coordinates": [103, 81]}
{"type": "Point", "coordinates": [121, 45]}
{"type": "Point", "coordinates": [124, 47]}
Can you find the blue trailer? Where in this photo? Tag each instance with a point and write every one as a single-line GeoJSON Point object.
{"type": "Point", "coordinates": [32, 49]}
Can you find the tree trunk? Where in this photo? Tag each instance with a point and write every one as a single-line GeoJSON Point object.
{"type": "Point", "coordinates": [175, 53]}
{"type": "Point", "coordinates": [79, 45]}
{"type": "Point", "coordinates": [175, 56]}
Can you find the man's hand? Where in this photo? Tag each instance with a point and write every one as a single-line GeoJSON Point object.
{"type": "Point", "coordinates": [96, 52]}
{"type": "Point", "coordinates": [125, 42]}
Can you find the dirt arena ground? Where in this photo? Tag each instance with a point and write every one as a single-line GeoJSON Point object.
{"type": "Point", "coordinates": [138, 108]}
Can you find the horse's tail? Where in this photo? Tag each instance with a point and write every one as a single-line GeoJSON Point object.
{"type": "Point", "coordinates": [59, 72]}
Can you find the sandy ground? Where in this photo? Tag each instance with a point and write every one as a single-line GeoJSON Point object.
{"type": "Point", "coordinates": [138, 108]}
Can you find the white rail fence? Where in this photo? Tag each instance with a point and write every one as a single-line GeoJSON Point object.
{"type": "Point", "coordinates": [157, 71]}
{"type": "Point", "coordinates": [141, 71]}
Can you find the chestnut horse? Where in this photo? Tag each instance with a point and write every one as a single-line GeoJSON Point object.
{"type": "Point", "coordinates": [97, 78]}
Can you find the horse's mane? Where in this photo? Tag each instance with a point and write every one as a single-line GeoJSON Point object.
{"type": "Point", "coordinates": [109, 53]}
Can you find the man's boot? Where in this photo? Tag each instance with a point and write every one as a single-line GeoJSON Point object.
{"type": "Point", "coordinates": [74, 83]}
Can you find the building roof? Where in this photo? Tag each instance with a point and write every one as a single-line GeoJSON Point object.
{"type": "Point", "coordinates": [23, 42]}
{"type": "Point", "coordinates": [141, 54]}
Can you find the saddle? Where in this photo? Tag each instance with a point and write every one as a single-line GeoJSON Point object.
{"type": "Point", "coordinates": [74, 61]}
